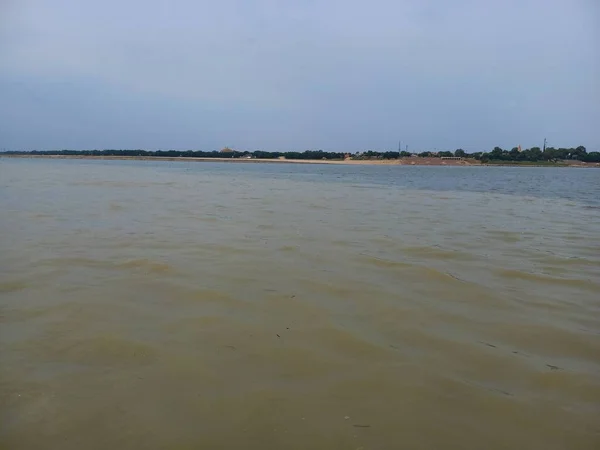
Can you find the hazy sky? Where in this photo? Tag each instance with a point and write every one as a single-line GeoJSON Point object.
{"type": "Point", "coordinates": [299, 74]}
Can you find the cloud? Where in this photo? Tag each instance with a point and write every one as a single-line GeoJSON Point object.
{"type": "Point", "coordinates": [306, 74]}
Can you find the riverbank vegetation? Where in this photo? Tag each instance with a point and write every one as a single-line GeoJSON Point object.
{"type": "Point", "coordinates": [497, 155]}
{"type": "Point", "coordinates": [535, 154]}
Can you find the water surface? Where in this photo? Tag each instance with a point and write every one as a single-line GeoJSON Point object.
{"type": "Point", "coordinates": [181, 305]}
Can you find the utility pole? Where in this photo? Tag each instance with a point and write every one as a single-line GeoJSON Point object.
{"type": "Point", "coordinates": [544, 144]}
{"type": "Point", "coordinates": [399, 146]}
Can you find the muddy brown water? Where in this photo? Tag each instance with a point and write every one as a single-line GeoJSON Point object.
{"type": "Point", "coordinates": [166, 305]}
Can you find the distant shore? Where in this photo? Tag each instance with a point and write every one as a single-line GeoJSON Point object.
{"type": "Point", "coordinates": [406, 161]}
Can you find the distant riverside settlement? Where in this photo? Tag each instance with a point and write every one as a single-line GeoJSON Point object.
{"type": "Point", "coordinates": [497, 155]}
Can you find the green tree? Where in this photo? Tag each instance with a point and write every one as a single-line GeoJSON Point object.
{"type": "Point", "coordinates": [592, 157]}
{"type": "Point", "coordinates": [497, 153]}
{"type": "Point", "coordinates": [535, 154]}
{"type": "Point", "coordinates": [550, 153]}
{"type": "Point", "coordinates": [459, 153]}
{"type": "Point", "coordinates": [579, 153]}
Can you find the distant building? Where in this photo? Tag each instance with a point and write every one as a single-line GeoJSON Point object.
{"type": "Point", "coordinates": [227, 150]}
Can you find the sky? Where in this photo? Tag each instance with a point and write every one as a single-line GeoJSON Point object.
{"type": "Point", "coordinates": [337, 75]}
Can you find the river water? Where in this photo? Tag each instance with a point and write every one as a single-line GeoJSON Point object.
{"type": "Point", "coordinates": [183, 305]}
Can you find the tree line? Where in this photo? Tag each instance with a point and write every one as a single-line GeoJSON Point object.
{"type": "Point", "coordinates": [309, 154]}
{"type": "Point", "coordinates": [534, 154]}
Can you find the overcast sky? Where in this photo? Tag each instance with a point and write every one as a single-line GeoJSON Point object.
{"type": "Point", "coordinates": [299, 74]}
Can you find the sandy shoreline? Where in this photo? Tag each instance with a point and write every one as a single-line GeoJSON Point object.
{"type": "Point", "coordinates": [410, 161]}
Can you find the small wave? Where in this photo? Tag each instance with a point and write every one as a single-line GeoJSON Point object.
{"type": "Point", "coordinates": [430, 274]}
{"type": "Point", "coordinates": [207, 218]}
{"type": "Point", "coordinates": [28, 313]}
{"type": "Point", "coordinates": [208, 296]}
{"type": "Point", "coordinates": [223, 250]}
{"type": "Point", "coordinates": [146, 265]}
{"type": "Point", "coordinates": [505, 236]}
{"type": "Point", "coordinates": [437, 253]}
{"type": "Point", "coordinates": [63, 345]}
{"type": "Point", "coordinates": [196, 324]}
{"type": "Point", "coordinates": [546, 279]}
{"type": "Point", "coordinates": [12, 286]}
{"type": "Point", "coordinates": [552, 379]}
{"type": "Point", "coordinates": [135, 264]}
{"type": "Point", "coordinates": [120, 184]}
{"type": "Point", "coordinates": [109, 351]}
{"type": "Point", "coordinates": [383, 262]}
{"type": "Point", "coordinates": [346, 343]}
{"type": "Point", "coordinates": [565, 261]}
{"type": "Point", "coordinates": [75, 261]}
{"type": "Point", "coordinates": [42, 216]}
{"type": "Point", "coordinates": [318, 207]}
{"type": "Point", "coordinates": [116, 207]}
{"type": "Point", "coordinates": [288, 248]}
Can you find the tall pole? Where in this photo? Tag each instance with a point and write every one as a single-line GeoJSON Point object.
{"type": "Point", "coordinates": [544, 144]}
{"type": "Point", "coordinates": [399, 146]}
